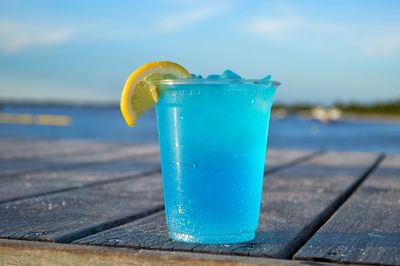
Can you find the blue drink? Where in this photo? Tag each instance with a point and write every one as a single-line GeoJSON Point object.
{"type": "Point", "coordinates": [213, 137]}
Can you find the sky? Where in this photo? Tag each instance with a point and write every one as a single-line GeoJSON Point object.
{"type": "Point", "coordinates": [322, 50]}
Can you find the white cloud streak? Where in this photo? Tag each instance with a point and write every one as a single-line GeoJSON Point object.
{"type": "Point", "coordinates": [375, 41]}
{"type": "Point", "coordinates": [17, 36]}
{"type": "Point", "coordinates": [188, 18]}
{"type": "Point", "coordinates": [274, 28]}
{"type": "Point", "coordinates": [382, 45]}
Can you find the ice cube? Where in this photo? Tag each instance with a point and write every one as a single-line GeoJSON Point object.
{"type": "Point", "coordinates": [194, 76]}
{"type": "Point", "coordinates": [214, 76]}
{"type": "Point", "coordinates": [228, 74]}
{"type": "Point", "coordinates": [265, 79]}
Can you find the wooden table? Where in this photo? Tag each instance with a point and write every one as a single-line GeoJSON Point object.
{"type": "Point", "coordinates": [91, 203]}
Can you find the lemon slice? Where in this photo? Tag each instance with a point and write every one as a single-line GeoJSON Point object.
{"type": "Point", "coordinates": [140, 93]}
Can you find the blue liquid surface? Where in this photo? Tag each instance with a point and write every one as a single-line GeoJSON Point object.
{"type": "Point", "coordinates": [213, 141]}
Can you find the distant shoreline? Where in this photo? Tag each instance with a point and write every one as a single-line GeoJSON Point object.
{"type": "Point", "coordinates": [364, 117]}
{"type": "Point", "coordinates": [380, 111]}
{"type": "Point", "coordinates": [58, 104]}
{"type": "Point", "coordinates": [374, 117]}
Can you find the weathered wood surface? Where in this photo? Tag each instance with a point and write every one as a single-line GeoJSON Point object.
{"type": "Point", "coordinates": [276, 158]}
{"type": "Point", "coordinates": [110, 195]}
{"type": "Point", "coordinates": [53, 181]}
{"type": "Point", "coordinates": [90, 156]}
{"type": "Point", "coordinates": [279, 159]}
{"type": "Point", "coordinates": [48, 149]}
{"type": "Point", "coordinates": [18, 253]}
{"type": "Point", "coordinates": [116, 165]}
{"type": "Point", "coordinates": [90, 179]}
{"type": "Point", "coordinates": [12, 143]}
{"type": "Point", "coordinates": [296, 202]}
{"type": "Point", "coordinates": [366, 229]}
{"type": "Point", "coordinates": [66, 216]}
{"type": "Point", "coordinates": [6, 143]}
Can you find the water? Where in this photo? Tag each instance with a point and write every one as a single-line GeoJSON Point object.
{"type": "Point", "coordinates": [107, 124]}
{"type": "Point", "coordinates": [213, 139]}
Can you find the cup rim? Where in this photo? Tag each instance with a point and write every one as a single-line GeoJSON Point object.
{"type": "Point", "coordinates": [217, 82]}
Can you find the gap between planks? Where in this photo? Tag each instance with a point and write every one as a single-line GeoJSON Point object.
{"type": "Point", "coordinates": [17, 252]}
{"type": "Point", "coordinates": [114, 223]}
{"type": "Point", "coordinates": [315, 225]}
{"type": "Point", "coordinates": [107, 225]}
{"type": "Point", "coordinates": [73, 165]}
{"type": "Point", "coordinates": [294, 162]}
{"type": "Point", "coordinates": [275, 169]}
{"type": "Point", "coordinates": [302, 236]}
{"type": "Point", "coordinates": [98, 183]}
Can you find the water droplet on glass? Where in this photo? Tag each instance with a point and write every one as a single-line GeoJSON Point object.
{"type": "Point", "coordinates": [181, 117]}
{"type": "Point", "coordinates": [195, 165]}
{"type": "Point", "coordinates": [253, 101]}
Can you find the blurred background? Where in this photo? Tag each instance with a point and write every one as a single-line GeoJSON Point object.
{"type": "Point", "coordinates": [63, 65]}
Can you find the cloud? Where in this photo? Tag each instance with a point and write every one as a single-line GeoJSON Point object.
{"type": "Point", "coordinates": [383, 45]}
{"type": "Point", "coordinates": [274, 28]}
{"type": "Point", "coordinates": [17, 36]}
{"type": "Point", "coordinates": [372, 41]}
{"type": "Point", "coordinates": [190, 17]}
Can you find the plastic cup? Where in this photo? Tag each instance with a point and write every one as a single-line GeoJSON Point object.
{"type": "Point", "coordinates": [213, 139]}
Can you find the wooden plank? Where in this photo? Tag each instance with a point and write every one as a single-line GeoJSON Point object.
{"type": "Point", "coordinates": [10, 143]}
{"type": "Point", "coordinates": [21, 222]}
{"type": "Point", "coordinates": [17, 168]}
{"type": "Point", "coordinates": [296, 201]}
{"type": "Point", "coordinates": [366, 229]}
{"type": "Point", "coordinates": [277, 159]}
{"type": "Point", "coordinates": [14, 252]}
{"type": "Point", "coordinates": [53, 181]}
{"type": "Point", "coordinates": [66, 216]}
{"type": "Point", "coordinates": [49, 154]}
{"type": "Point", "coordinates": [48, 149]}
